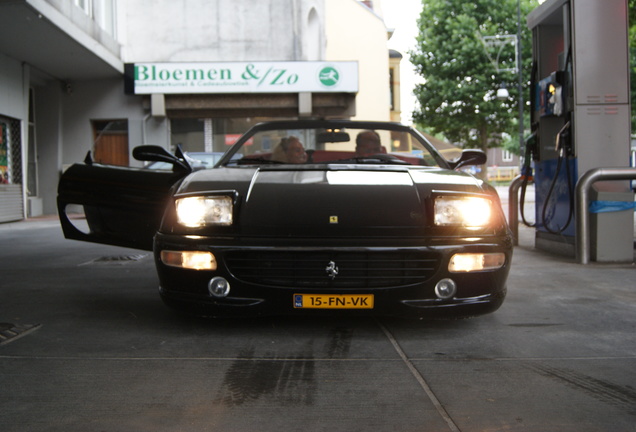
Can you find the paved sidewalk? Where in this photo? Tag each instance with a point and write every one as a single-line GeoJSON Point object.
{"type": "Point", "coordinates": [97, 350]}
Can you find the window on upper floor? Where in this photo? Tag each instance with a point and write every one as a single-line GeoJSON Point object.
{"type": "Point", "coordinates": [101, 11]}
{"type": "Point", "coordinates": [86, 6]}
{"type": "Point", "coordinates": [506, 156]}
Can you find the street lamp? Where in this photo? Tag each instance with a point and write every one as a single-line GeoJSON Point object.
{"type": "Point", "coordinates": [502, 93]}
{"type": "Point", "coordinates": [499, 41]}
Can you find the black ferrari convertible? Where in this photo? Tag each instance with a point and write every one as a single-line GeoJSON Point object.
{"type": "Point", "coordinates": [306, 217]}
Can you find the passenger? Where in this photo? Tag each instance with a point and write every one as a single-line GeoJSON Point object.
{"type": "Point", "coordinates": [290, 150]}
{"type": "Point", "coordinates": [368, 143]}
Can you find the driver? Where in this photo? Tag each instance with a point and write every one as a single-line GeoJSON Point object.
{"type": "Point", "coordinates": [368, 143]}
{"type": "Point", "coordinates": [290, 150]}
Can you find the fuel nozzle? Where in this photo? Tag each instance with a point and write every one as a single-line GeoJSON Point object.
{"type": "Point", "coordinates": [530, 154]}
{"type": "Point", "coordinates": [563, 142]}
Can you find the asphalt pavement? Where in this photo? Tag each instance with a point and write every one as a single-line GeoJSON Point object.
{"type": "Point", "coordinates": [87, 345]}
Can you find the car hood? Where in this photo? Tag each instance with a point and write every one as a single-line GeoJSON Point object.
{"type": "Point", "coordinates": [330, 201]}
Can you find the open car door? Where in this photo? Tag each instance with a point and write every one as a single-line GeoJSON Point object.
{"type": "Point", "coordinates": [122, 206]}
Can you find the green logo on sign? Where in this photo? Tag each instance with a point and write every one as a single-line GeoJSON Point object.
{"type": "Point", "coordinates": [329, 76]}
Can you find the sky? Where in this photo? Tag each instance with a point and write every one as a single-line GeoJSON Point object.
{"type": "Point", "coordinates": [402, 16]}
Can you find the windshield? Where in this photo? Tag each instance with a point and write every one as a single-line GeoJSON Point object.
{"type": "Point", "coordinates": [197, 160]}
{"type": "Point", "coordinates": [294, 144]}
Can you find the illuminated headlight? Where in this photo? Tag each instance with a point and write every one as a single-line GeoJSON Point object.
{"type": "Point", "coordinates": [198, 211]}
{"type": "Point", "coordinates": [471, 212]}
{"type": "Point", "coordinates": [469, 262]}
{"type": "Point", "coordinates": [191, 260]}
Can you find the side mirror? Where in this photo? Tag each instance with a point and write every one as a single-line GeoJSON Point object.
{"type": "Point", "coordinates": [153, 153]}
{"type": "Point", "coordinates": [470, 157]}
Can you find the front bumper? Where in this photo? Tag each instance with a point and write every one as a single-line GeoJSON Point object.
{"type": "Point", "coordinates": [264, 279]}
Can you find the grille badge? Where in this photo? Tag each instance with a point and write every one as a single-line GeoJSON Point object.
{"type": "Point", "coordinates": [332, 270]}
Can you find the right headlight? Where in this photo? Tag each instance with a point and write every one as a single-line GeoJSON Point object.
{"type": "Point", "coordinates": [199, 211]}
{"type": "Point", "coordinates": [468, 211]}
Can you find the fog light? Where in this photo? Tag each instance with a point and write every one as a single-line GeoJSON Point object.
{"type": "Point", "coordinates": [468, 262]}
{"type": "Point", "coordinates": [445, 289]}
{"type": "Point", "coordinates": [192, 260]}
{"type": "Point", "coordinates": [219, 287]}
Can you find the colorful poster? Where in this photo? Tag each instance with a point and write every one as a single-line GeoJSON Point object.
{"type": "Point", "coordinates": [4, 154]}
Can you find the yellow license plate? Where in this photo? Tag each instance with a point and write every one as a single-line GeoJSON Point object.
{"type": "Point", "coordinates": [332, 301]}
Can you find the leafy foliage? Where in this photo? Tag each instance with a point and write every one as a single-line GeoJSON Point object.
{"type": "Point", "coordinates": [462, 75]}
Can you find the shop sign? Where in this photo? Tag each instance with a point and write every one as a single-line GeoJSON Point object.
{"type": "Point", "coordinates": [242, 77]}
{"type": "Point", "coordinates": [231, 139]}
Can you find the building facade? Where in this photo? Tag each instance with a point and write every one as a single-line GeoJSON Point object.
{"type": "Point", "coordinates": [75, 76]}
{"type": "Point", "coordinates": [503, 165]}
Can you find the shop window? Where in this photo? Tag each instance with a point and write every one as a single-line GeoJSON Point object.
{"type": "Point", "coordinates": [110, 142]}
{"type": "Point", "coordinates": [10, 152]}
{"type": "Point", "coordinates": [208, 135]}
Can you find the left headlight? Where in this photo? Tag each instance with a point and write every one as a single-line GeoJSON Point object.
{"type": "Point", "coordinates": [470, 212]}
{"type": "Point", "coordinates": [198, 211]}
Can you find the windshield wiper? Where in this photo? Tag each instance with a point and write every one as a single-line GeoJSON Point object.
{"type": "Point", "coordinates": [374, 159]}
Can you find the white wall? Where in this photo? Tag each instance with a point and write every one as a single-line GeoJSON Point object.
{"type": "Point", "coordinates": [99, 100]}
{"type": "Point", "coordinates": [65, 135]}
{"type": "Point", "coordinates": [354, 32]}
{"type": "Point", "coordinates": [12, 98]}
{"type": "Point", "coordinates": [48, 117]}
{"type": "Point", "coordinates": [216, 30]}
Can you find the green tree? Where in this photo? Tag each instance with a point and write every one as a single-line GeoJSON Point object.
{"type": "Point", "coordinates": [462, 75]}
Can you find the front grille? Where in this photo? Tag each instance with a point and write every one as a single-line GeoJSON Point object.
{"type": "Point", "coordinates": [316, 269]}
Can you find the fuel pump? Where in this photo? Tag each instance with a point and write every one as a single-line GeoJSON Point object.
{"type": "Point", "coordinates": [553, 101]}
{"type": "Point", "coordinates": [548, 99]}
{"type": "Point", "coordinates": [580, 112]}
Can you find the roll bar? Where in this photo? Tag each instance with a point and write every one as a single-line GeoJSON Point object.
{"type": "Point", "coordinates": [513, 212]}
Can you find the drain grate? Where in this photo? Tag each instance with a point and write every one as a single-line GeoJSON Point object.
{"type": "Point", "coordinates": [10, 332]}
{"type": "Point", "coordinates": [116, 259]}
